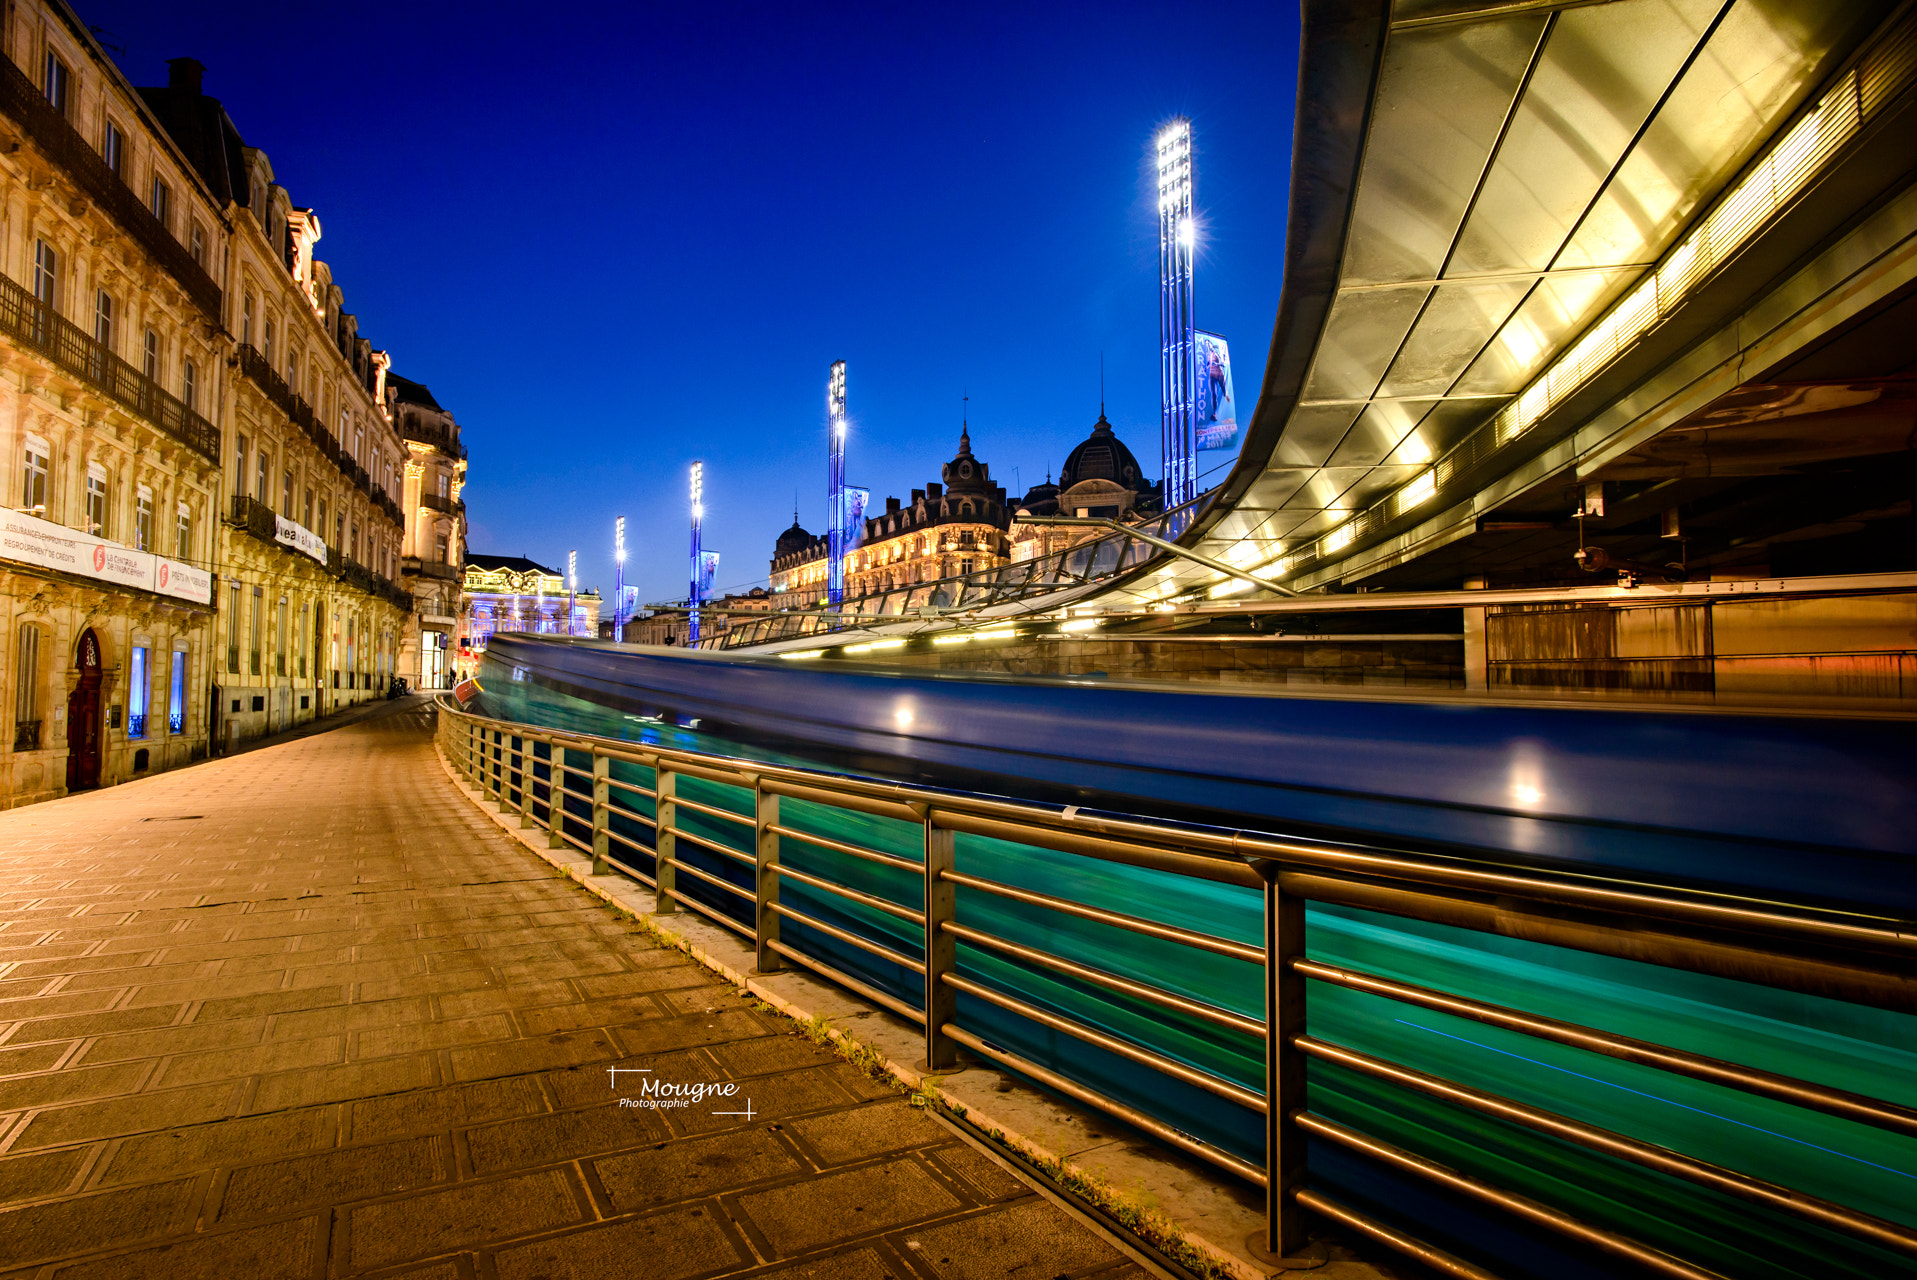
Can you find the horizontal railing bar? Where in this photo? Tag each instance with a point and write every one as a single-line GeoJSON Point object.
{"type": "Point", "coordinates": [856, 851]}
{"type": "Point", "coordinates": [1091, 1097]}
{"type": "Point", "coordinates": [706, 842]}
{"type": "Point", "coordinates": [1832, 979]}
{"type": "Point", "coordinates": [687, 766]}
{"type": "Point", "coordinates": [630, 843]}
{"type": "Point", "coordinates": [633, 873]}
{"type": "Point", "coordinates": [1198, 866]}
{"type": "Point", "coordinates": [843, 891]}
{"type": "Point", "coordinates": [1516, 1205]}
{"type": "Point", "coordinates": [716, 916]}
{"type": "Point", "coordinates": [865, 989]}
{"type": "Point", "coordinates": [633, 787]}
{"type": "Point", "coordinates": [847, 936]}
{"type": "Point", "coordinates": [1111, 1044]}
{"type": "Point", "coordinates": [743, 819]}
{"type": "Point", "coordinates": [709, 878]}
{"type": "Point", "coordinates": [1662, 1159]}
{"type": "Point", "coordinates": [1802, 1093]}
{"type": "Point", "coordinates": [840, 799]}
{"type": "Point", "coordinates": [574, 770]}
{"type": "Point", "coordinates": [1656, 904]}
{"type": "Point", "coordinates": [1171, 933]}
{"type": "Point", "coordinates": [630, 816]}
{"type": "Point", "coordinates": [1125, 986]}
{"type": "Point", "coordinates": [1431, 1256]}
{"type": "Point", "coordinates": [576, 843]}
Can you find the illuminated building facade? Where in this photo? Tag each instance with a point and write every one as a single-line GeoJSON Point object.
{"type": "Point", "coordinates": [957, 525]}
{"type": "Point", "coordinates": [512, 593]}
{"type": "Point", "coordinates": [110, 371]}
{"type": "Point", "coordinates": [433, 558]}
{"type": "Point", "coordinates": [798, 565]}
{"type": "Point", "coordinates": [1102, 478]}
{"type": "Point", "coordinates": [205, 531]}
{"type": "Point", "coordinates": [308, 547]}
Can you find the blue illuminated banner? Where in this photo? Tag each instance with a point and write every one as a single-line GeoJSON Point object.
{"type": "Point", "coordinates": [708, 567]}
{"type": "Point", "coordinates": [855, 503]}
{"type": "Point", "coordinates": [1217, 416]}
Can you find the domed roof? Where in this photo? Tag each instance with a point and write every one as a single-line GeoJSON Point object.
{"type": "Point", "coordinates": [1040, 499]}
{"type": "Point", "coordinates": [792, 540]}
{"type": "Point", "coordinates": [964, 473]}
{"type": "Point", "coordinates": [1102, 456]}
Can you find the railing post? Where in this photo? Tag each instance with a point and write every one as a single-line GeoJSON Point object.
{"type": "Point", "coordinates": [601, 812]}
{"type": "Point", "coordinates": [528, 766]}
{"type": "Point", "coordinates": [1284, 1233]}
{"type": "Point", "coordinates": [502, 773]}
{"type": "Point", "coordinates": [664, 845]}
{"type": "Point", "coordinates": [766, 878]}
{"type": "Point", "coordinates": [941, 949]}
{"type": "Point", "coordinates": [556, 799]}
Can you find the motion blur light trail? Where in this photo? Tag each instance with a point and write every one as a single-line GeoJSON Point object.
{"type": "Point", "coordinates": [1722, 813]}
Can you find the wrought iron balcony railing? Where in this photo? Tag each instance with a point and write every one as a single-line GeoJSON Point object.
{"type": "Point", "coordinates": [49, 130]}
{"type": "Point", "coordinates": [33, 324]}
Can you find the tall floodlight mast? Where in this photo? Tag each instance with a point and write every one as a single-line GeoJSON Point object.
{"type": "Point", "coordinates": [835, 488]}
{"type": "Point", "coordinates": [619, 578]}
{"type": "Point", "coordinates": [698, 557]}
{"type": "Point", "coordinates": [1176, 238]}
{"type": "Point", "coordinates": [572, 593]}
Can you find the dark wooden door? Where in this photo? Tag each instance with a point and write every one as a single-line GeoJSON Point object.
{"type": "Point", "coordinates": [83, 718]}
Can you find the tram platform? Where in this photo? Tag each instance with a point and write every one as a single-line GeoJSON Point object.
{"type": "Point", "coordinates": [307, 1011]}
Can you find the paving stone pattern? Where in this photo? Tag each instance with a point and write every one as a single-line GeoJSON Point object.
{"type": "Point", "coordinates": [306, 1013]}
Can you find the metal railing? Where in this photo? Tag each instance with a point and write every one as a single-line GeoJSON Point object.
{"type": "Point", "coordinates": [21, 99]}
{"type": "Point", "coordinates": [734, 864]}
{"type": "Point", "coordinates": [32, 323]}
{"type": "Point", "coordinates": [1062, 570]}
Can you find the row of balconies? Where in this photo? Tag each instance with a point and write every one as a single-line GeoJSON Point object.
{"type": "Point", "coordinates": [21, 99]}
{"type": "Point", "coordinates": [260, 521]}
{"type": "Point", "coordinates": [34, 324]}
{"type": "Point", "coordinates": [268, 380]}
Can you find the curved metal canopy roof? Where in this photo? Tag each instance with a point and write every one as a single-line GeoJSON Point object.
{"type": "Point", "coordinates": [1492, 206]}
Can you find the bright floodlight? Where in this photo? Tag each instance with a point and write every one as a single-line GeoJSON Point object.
{"type": "Point", "coordinates": [1187, 234]}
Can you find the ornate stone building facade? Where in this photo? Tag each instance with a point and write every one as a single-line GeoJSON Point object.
{"type": "Point", "coordinates": [308, 551]}
{"type": "Point", "coordinates": [433, 559]}
{"type": "Point", "coordinates": [202, 525]}
{"type": "Point", "coordinates": [1100, 478]}
{"type": "Point", "coordinates": [110, 379]}
{"type": "Point", "coordinates": [955, 526]}
{"type": "Point", "coordinates": [512, 593]}
{"type": "Point", "coordinates": [798, 565]}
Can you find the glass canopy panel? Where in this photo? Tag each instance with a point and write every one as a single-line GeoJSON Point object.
{"type": "Point", "coordinates": [1601, 75]}
{"type": "Point", "coordinates": [1760, 59]}
{"type": "Point", "coordinates": [1451, 89]}
{"type": "Point", "coordinates": [1460, 319]}
{"type": "Point", "coordinates": [1361, 336]}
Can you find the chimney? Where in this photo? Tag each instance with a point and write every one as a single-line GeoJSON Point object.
{"type": "Point", "coordinates": [184, 74]}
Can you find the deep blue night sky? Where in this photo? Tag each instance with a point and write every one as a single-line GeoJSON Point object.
{"type": "Point", "coordinates": [613, 239]}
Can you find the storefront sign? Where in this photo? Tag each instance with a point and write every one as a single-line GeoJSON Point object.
{"type": "Point", "coordinates": [299, 537]}
{"type": "Point", "coordinates": [34, 541]}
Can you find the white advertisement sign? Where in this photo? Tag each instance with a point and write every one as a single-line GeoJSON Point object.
{"type": "Point", "coordinates": [34, 541]}
{"type": "Point", "coordinates": [188, 582]}
{"type": "Point", "coordinates": [299, 537]}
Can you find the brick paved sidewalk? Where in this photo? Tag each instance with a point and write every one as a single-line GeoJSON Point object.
{"type": "Point", "coordinates": [305, 1013]}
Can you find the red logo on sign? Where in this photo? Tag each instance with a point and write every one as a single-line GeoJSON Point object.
{"type": "Point", "coordinates": [99, 559]}
{"type": "Point", "coordinates": [163, 568]}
